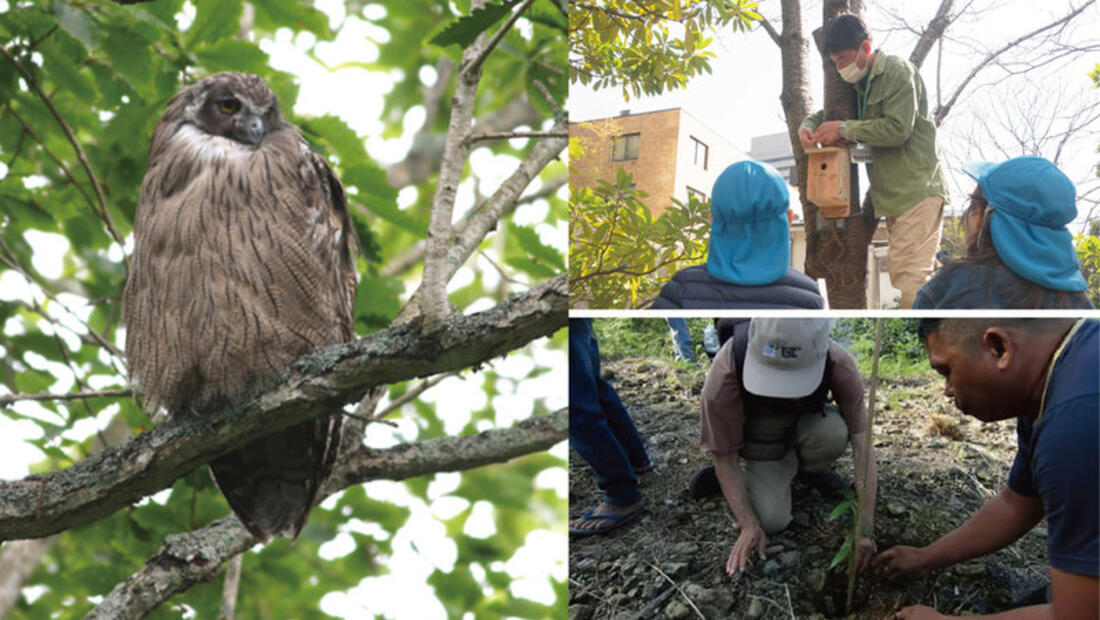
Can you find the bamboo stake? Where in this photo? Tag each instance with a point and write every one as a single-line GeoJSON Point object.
{"type": "Point", "coordinates": [861, 491]}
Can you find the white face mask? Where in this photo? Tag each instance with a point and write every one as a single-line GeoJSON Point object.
{"type": "Point", "coordinates": [851, 73]}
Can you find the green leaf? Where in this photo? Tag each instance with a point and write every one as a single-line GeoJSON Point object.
{"type": "Point", "coordinates": [131, 58]}
{"type": "Point", "coordinates": [464, 30]}
{"type": "Point", "coordinates": [534, 247]}
{"type": "Point", "coordinates": [75, 21]}
{"type": "Point", "coordinates": [842, 553]}
{"type": "Point", "coordinates": [214, 20]}
{"type": "Point", "coordinates": [840, 509]}
{"type": "Point", "coordinates": [233, 55]}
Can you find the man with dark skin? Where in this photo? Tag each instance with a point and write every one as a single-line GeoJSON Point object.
{"type": "Point", "coordinates": [1043, 372]}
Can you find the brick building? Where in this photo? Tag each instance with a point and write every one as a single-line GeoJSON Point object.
{"type": "Point", "coordinates": [669, 153]}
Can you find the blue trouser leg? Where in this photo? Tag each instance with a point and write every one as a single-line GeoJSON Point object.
{"type": "Point", "coordinates": [600, 430]}
{"type": "Point", "coordinates": [681, 339]}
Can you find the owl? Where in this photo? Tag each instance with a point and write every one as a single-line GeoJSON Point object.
{"type": "Point", "coordinates": [244, 259]}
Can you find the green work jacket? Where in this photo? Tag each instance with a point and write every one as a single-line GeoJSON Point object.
{"type": "Point", "coordinates": [906, 159]}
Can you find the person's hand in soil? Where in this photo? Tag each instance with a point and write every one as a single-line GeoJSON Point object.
{"type": "Point", "coordinates": [901, 560]}
{"type": "Point", "coordinates": [752, 537]}
{"type": "Point", "coordinates": [865, 553]}
{"type": "Point", "coordinates": [919, 612]}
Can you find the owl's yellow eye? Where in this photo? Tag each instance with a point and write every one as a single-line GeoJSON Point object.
{"type": "Point", "coordinates": [268, 114]}
{"type": "Point", "coordinates": [229, 106]}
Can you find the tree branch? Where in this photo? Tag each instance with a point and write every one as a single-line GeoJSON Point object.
{"type": "Point", "coordinates": [196, 556]}
{"type": "Point", "coordinates": [430, 299]}
{"type": "Point", "coordinates": [8, 399]}
{"type": "Point", "coordinates": [415, 254]}
{"type": "Point", "coordinates": [316, 384]}
{"type": "Point", "coordinates": [475, 66]}
{"type": "Point", "coordinates": [508, 135]}
{"type": "Point", "coordinates": [943, 110]}
{"type": "Point", "coordinates": [102, 212]}
{"type": "Point", "coordinates": [770, 29]}
{"type": "Point", "coordinates": [932, 33]}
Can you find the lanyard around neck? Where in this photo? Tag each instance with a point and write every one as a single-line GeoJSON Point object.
{"type": "Point", "coordinates": [861, 96]}
{"type": "Point", "coordinates": [1053, 361]}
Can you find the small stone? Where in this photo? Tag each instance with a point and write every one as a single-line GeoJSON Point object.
{"type": "Point", "coordinates": [816, 579]}
{"type": "Point", "coordinates": [584, 564]}
{"type": "Point", "coordinates": [698, 593]}
{"type": "Point", "coordinates": [675, 569]}
{"type": "Point", "coordinates": [788, 558]}
{"type": "Point", "coordinates": [896, 509]}
{"type": "Point", "coordinates": [974, 569]}
{"type": "Point", "coordinates": [684, 549]}
{"type": "Point", "coordinates": [771, 567]}
{"type": "Point", "coordinates": [773, 549]}
{"type": "Point", "coordinates": [581, 611]}
{"type": "Point", "coordinates": [756, 608]}
{"type": "Point", "coordinates": [677, 609]}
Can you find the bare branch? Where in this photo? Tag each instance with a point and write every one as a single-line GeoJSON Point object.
{"type": "Point", "coordinates": [189, 558]}
{"type": "Point", "coordinates": [474, 67]}
{"type": "Point", "coordinates": [314, 385]}
{"type": "Point", "coordinates": [932, 33]}
{"type": "Point", "coordinates": [770, 29]}
{"type": "Point", "coordinates": [231, 586]}
{"type": "Point", "coordinates": [942, 111]}
{"type": "Point", "coordinates": [430, 298]}
{"type": "Point", "coordinates": [412, 394]}
{"type": "Point", "coordinates": [508, 135]}
{"type": "Point", "coordinates": [8, 399]}
{"type": "Point", "coordinates": [415, 254]}
{"type": "Point", "coordinates": [102, 212]}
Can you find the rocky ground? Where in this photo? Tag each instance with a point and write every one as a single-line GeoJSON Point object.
{"type": "Point", "coordinates": [936, 467]}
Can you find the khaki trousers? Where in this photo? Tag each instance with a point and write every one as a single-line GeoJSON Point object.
{"type": "Point", "coordinates": [914, 237]}
{"type": "Point", "coordinates": [819, 441]}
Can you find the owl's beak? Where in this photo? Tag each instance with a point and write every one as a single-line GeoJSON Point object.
{"type": "Point", "coordinates": [250, 129]}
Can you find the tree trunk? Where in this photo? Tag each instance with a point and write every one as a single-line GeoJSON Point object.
{"type": "Point", "coordinates": [836, 249]}
{"type": "Point", "coordinates": [795, 98]}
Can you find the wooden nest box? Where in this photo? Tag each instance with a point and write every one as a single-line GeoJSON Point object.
{"type": "Point", "coordinates": [828, 180]}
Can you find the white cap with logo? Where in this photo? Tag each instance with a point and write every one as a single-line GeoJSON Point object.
{"type": "Point", "coordinates": [786, 357]}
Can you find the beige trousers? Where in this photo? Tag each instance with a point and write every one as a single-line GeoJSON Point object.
{"type": "Point", "coordinates": [818, 443]}
{"type": "Point", "coordinates": [914, 237]}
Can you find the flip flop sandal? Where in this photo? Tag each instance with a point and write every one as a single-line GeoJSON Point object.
{"type": "Point", "coordinates": [612, 522]}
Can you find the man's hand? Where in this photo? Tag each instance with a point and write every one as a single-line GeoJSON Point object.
{"type": "Point", "coordinates": [865, 553]}
{"type": "Point", "coordinates": [806, 136]}
{"type": "Point", "coordinates": [828, 133]}
{"type": "Point", "coordinates": [919, 612]}
{"type": "Point", "coordinates": [901, 560]}
{"type": "Point", "coordinates": [750, 538]}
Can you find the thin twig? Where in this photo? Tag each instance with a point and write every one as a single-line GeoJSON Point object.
{"type": "Point", "coordinates": [503, 276]}
{"type": "Point", "coordinates": [475, 65]}
{"type": "Point", "coordinates": [559, 114]}
{"type": "Point", "coordinates": [508, 135]}
{"type": "Point", "coordinates": [8, 399]}
{"type": "Point", "coordinates": [411, 395]}
{"type": "Point", "coordinates": [678, 589]}
{"type": "Point", "coordinates": [102, 212]}
{"type": "Point", "coordinates": [8, 258]}
{"type": "Point", "coordinates": [790, 607]}
{"type": "Point", "coordinates": [229, 588]}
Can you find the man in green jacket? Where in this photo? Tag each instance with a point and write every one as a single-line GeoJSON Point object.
{"type": "Point", "coordinates": [892, 118]}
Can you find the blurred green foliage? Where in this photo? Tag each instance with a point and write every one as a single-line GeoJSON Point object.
{"type": "Point", "coordinates": [105, 71]}
{"type": "Point", "coordinates": [619, 254]}
{"type": "Point", "coordinates": [648, 46]}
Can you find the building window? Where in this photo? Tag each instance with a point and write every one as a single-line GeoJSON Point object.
{"type": "Point", "coordinates": [702, 151]}
{"type": "Point", "coordinates": [625, 147]}
{"type": "Point", "coordinates": [700, 196]}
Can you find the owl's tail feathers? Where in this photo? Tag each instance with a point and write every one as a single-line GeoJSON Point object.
{"type": "Point", "coordinates": [271, 483]}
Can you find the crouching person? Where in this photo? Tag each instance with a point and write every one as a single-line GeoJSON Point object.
{"type": "Point", "coordinates": [767, 420]}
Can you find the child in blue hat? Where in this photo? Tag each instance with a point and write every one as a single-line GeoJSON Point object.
{"type": "Point", "coordinates": [748, 261]}
{"type": "Point", "coordinates": [1019, 252]}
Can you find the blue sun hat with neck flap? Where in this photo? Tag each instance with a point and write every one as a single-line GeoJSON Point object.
{"type": "Point", "coordinates": [750, 241]}
{"type": "Point", "coordinates": [1032, 202]}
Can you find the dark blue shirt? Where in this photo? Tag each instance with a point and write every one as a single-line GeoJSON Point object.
{"type": "Point", "coordinates": [991, 285]}
{"type": "Point", "coordinates": [695, 289]}
{"type": "Point", "coordinates": [1057, 460]}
